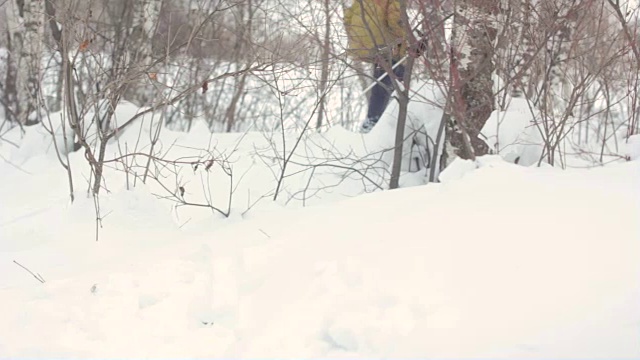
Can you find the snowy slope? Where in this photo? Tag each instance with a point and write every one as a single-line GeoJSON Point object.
{"type": "Point", "coordinates": [500, 262]}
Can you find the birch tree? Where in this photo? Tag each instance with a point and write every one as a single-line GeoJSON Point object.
{"type": "Point", "coordinates": [145, 19]}
{"type": "Point", "coordinates": [326, 53]}
{"type": "Point", "coordinates": [26, 20]}
{"type": "Point", "coordinates": [472, 63]}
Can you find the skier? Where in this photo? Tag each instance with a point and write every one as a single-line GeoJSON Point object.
{"type": "Point", "coordinates": [376, 35]}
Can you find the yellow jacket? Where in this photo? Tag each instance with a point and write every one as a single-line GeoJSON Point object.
{"type": "Point", "coordinates": [374, 27]}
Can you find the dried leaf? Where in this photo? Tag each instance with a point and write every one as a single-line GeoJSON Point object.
{"type": "Point", "coordinates": [205, 87]}
{"type": "Point", "coordinates": [209, 165]}
{"type": "Point", "coordinates": [84, 45]}
{"type": "Point", "coordinates": [153, 76]}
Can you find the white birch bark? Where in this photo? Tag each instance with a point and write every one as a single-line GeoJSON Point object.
{"type": "Point", "coordinates": [145, 19]}
{"type": "Point", "coordinates": [474, 37]}
{"type": "Point", "coordinates": [27, 24]}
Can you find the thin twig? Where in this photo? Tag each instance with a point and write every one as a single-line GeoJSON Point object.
{"type": "Point", "coordinates": [37, 276]}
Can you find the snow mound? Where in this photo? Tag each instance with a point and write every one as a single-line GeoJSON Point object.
{"type": "Point", "coordinates": [503, 262]}
{"type": "Point", "coordinates": [513, 134]}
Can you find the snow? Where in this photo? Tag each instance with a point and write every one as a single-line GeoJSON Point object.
{"type": "Point", "coordinates": [513, 133]}
{"type": "Point", "coordinates": [497, 260]}
{"type": "Point", "coordinates": [632, 149]}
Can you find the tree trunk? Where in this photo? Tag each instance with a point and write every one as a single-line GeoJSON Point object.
{"type": "Point", "coordinates": [230, 114]}
{"type": "Point", "coordinates": [403, 92]}
{"type": "Point", "coordinates": [475, 31]}
{"type": "Point", "coordinates": [521, 26]}
{"type": "Point", "coordinates": [9, 93]}
{"type": "Point", "coordinates": [324, 72]}
{"type": "Point", "coordinates": [26, 40]}
{"type": "Point", "coordinates": [14, 92]}
{"type": "Point", "coordinates": [403, 106]}
{"type": "Point", "coordinates": [243, 42]}
{"type": "Point", "coordinates": [433, 29]}
{"type": "Point", "coordinates": [145, 18]}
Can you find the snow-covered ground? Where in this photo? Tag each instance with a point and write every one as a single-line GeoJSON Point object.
{"type": "Point", "coordinates": [496, 261]}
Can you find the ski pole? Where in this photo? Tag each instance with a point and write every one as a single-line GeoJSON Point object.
{"type": "Point", "coordinates": [383, 75]}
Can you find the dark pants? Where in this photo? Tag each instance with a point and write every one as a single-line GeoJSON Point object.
{"type": "Point", "coordinates": [381, 93]}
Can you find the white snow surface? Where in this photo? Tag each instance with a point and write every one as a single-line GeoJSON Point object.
{"type": "Point", "coordinates": [633, 147]}
{"type": "Point", "coordinates": [496, 261]}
